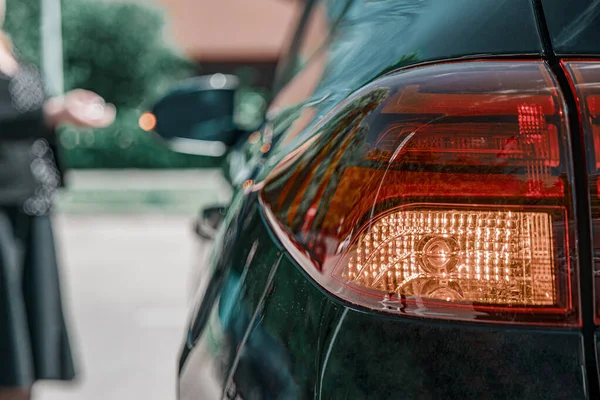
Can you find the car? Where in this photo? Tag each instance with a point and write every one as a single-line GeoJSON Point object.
{"type": "Point", "coordinates": [416, 218]}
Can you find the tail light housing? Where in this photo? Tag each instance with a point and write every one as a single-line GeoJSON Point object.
{"type": "Point", "coordinates": [441, 192]}
{"type": "Point", "coordinates": [585, 79]}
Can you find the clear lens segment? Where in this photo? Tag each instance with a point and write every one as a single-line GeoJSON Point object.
{"type": "Point", "coordinates": [458, 256]}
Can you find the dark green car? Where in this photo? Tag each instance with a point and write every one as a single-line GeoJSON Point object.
{"type": "Point", "coordinates": [417, 218]}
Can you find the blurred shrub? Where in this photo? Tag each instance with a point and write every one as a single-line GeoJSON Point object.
{"type": "Point", "coordinates": [118, 50]}
{"type": "Point", "coordinates": [22, 23]}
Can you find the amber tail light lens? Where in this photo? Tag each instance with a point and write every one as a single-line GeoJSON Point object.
{"type": "Point", "coordinates": [454, 255]}
{"type": "Point", "coordinates": [438, 192]}
{"type": "Point", "coordinates": [585, 78]}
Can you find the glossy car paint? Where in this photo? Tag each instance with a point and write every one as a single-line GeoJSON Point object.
{"type": "Point", "coordinates": [574, 26]}
{"type": "Point", "coordinates": [262, 329]}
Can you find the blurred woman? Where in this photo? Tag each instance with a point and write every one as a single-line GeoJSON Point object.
{"type": "Point", "coordinates": [34, 344]}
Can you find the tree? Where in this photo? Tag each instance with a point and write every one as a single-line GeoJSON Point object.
{"type": "Point", "coordinates": [20, 14]}
{"type": "Point", "coordinates": [119, 51]}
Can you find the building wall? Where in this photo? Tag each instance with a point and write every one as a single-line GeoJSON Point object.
{"type": "Point", "coordinates": [231, 30]}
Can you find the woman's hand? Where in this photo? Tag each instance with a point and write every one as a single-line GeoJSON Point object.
{"type": "Point", "coordinates": [80, 108]}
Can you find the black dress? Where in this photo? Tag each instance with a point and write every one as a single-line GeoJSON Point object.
{"type": "Point", "coordinates": [34, 343]}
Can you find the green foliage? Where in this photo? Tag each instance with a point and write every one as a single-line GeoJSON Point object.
{"type": "Point", "coordinates": [119, 51]}
{"type": "Point", "coordinates": [23, 26]}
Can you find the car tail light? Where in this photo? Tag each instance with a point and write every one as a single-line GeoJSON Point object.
{"type": "Point", "coordinates": [440, 191]}
{"type": "Point", "coordinates": [458, 255]}
{"type": "Point", "coordinates": [585, 78]}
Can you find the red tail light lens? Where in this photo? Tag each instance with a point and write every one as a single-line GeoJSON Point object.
{"type": "Point", "coordinates": [439, 191]}
{"type": "Point", "coordinates": [585, 77]}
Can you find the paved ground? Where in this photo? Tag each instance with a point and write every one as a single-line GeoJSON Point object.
{"type": "Point", "coordinates": [125, 284]}
{"type": "Point", "coordinates": [136, 191]}
{"type": "Point", "coordinates": [127, 260]}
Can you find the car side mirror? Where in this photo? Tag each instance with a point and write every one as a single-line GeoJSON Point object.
{"type": "Point", "coordinates": [209, 220]}
{"type": "Point", "coordinates": [197, 116]}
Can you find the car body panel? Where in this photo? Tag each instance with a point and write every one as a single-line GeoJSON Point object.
{"type": "Point", "coordinates": [370, 38]}
{"type": "Point", "coordinates": [335, 352]}
{"type": "Point", "coordinates": [273, 334]}
{"type": "Point", "coordinates": [574, 26]}
{"type": "Point", "coordinates": [226, 303]}
{"type": "Point", "coordinates": [262, 329]}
